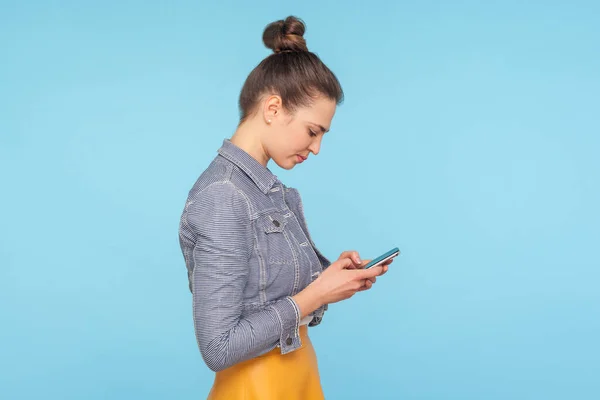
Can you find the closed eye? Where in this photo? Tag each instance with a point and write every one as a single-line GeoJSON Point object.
{"type": "Point", "coordinates": [312, 133]}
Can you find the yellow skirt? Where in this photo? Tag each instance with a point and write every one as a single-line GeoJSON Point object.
{"type": "Point", "coordinates": [272, 376]}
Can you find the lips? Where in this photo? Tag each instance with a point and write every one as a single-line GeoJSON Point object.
{"type": "Point", "coordinates": [300, 158]}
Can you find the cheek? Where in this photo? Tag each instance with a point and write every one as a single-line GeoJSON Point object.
{"type": "Point", "coordinates": [284, 147]}
{"type": "Point", "coordinates": [292, 143]}
{"type": "Point", "coordinates": [301, 140]}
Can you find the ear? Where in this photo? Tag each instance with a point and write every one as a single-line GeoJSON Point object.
{"type": "Point", "coordinates": [272, 108]}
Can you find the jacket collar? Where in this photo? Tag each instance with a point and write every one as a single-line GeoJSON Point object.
{"type": "Point", "coordinates": [260, 175]}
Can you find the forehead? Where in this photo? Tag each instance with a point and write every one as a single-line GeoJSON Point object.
{"type": "Point", "coordinates": [320, 111]}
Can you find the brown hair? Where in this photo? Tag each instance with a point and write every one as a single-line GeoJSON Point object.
{"type": "Point", "coordinates": [293, 72]}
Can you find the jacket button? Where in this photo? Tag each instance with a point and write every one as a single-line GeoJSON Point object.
{"type": "Point", "coordinates": [288, 341]}
{"type": "Point", "coordinates": [276, 223]}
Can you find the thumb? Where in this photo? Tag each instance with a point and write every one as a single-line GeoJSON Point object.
{"type": "Point", "coordinates": [369, 273]}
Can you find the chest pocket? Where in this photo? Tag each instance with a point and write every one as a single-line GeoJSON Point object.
{"type": "Point", "coordinates": [278, 241]}
{"type": "Point", "coordinates": [276, 246]}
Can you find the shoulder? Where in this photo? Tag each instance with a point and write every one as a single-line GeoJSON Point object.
{"type": "Point", "coordinates": [220, 194]}
{"type": "Point", "coordinates": [217, 171]}
{"type": "Point", "coordinates": [219, 200]}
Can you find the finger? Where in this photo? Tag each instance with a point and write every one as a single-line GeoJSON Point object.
{"type": "Point", "coordinates": [369, 273]}
{"type": "Point", "coordinates": [346, 263]}
{"type": "Point", "coordinates": [366, 285]}
{"type": "Point", "coordinates": [353, 255]}
{"type": "Point", "coordinates": [385, 265]}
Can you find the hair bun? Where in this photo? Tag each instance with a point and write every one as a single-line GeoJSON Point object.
{"type": "Point", "coordinates": [285, 35]}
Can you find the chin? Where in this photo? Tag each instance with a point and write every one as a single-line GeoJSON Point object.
{"type": "Point", "coordinates": [285, 164]}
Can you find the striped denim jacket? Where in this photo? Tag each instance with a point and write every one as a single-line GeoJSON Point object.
{"type": "Point", "coordinates": [247, 250]}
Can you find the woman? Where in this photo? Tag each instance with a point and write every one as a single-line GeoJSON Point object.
{"type": "Point", "coordinates": [258, 281]}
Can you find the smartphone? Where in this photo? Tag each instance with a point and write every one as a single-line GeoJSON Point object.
{"type": "Point", "coordinates": [383, 258]}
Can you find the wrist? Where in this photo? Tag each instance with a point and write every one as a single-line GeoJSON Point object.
{"type": "Point", "coordinates": [308, 300]}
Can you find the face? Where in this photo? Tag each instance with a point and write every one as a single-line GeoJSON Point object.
{"type": "Point", "coordinates": [291, 137]}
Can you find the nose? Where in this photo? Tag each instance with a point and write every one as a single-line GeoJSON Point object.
{"type": "Point", "coordinates": [315, 146]}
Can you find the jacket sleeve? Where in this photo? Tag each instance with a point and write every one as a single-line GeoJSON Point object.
{"type": "Point", "coordinates": [219, 217]}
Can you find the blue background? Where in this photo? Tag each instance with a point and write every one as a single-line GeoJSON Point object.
{"type": "Point", "coordinates": [468, 138]}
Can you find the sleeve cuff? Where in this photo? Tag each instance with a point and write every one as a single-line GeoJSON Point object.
{"type": "Point", "coordinates": [289, 317]}
{"type": "Point", "coordinates": [318, 315]}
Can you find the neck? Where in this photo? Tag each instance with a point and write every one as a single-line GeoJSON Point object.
{"type": "Point", "coordinates": [247, 138]}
